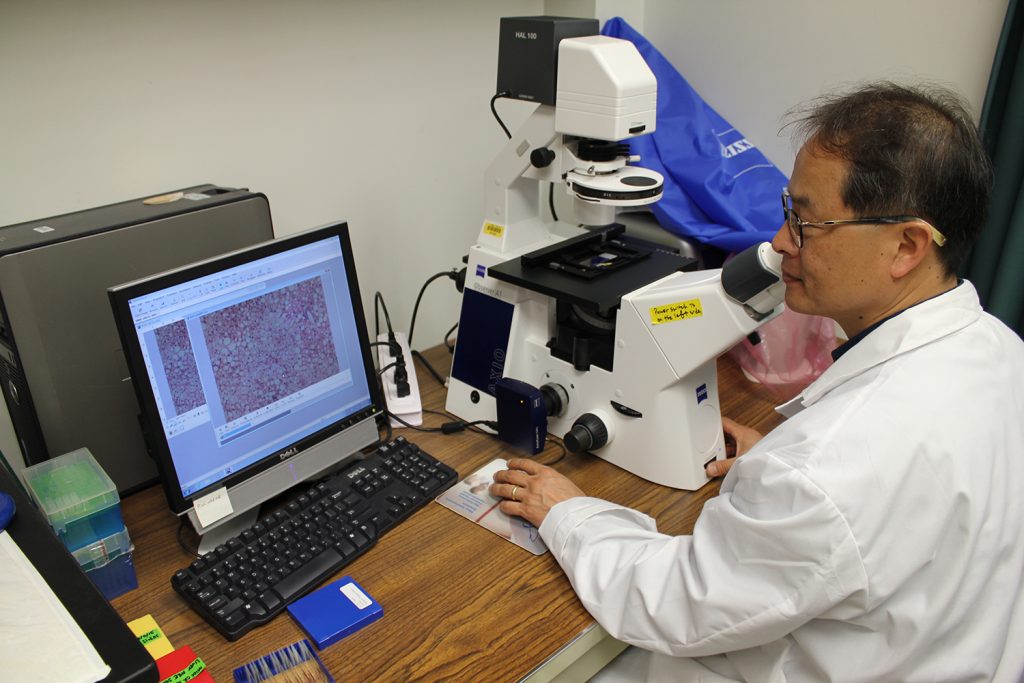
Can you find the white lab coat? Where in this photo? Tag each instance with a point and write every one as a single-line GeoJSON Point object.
{"type": "Point", "coordinates": [876, 535]}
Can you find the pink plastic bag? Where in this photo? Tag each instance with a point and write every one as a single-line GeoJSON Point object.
{"type": "Point", "coordinates": [794, 350]}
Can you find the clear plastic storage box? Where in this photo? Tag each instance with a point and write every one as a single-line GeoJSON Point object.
{"type": "Point", "coordinates": [78, 498]}
{"type": "Point", "coordinates": [99, 553]}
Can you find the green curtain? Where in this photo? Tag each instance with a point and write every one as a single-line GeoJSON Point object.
{"type": "Point", "coordinates": [996, 265]}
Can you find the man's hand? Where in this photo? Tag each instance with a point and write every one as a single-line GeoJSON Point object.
{"type": "Point", "coordinates": [531, 489]}
{"type": "Point", "coordinates": [738, 440]}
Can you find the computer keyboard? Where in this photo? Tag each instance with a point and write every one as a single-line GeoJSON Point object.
{"type": "Point", "coordinates": [247, 581]}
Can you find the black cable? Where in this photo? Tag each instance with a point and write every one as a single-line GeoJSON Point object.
{"type": "Point", "coordinates": [561, 456]}
{"type": "Point", "coordinates": [387, 367]}
{"type": "Point", "coordinates": [503, 93]}
{"type": "Point", "coordinates": [387, 424]}
{"type": "Point", "coordinates": [430, 368]}
{"type": "Point", "coordinates": [412, 426]}
{"type": "Point", "coordinates": [459, 425]}
{"type": "Point", "coordinates": [388, 344]}
{"type": "Point", "coordinates": [449, 416]}
{"type": "Point", "coordinates": [415, 309]}
{"type": "Point", "coordinates": [378, 299]}
{"type": "Point", "coordinates": [181, 541]}
{"type": "Point", "coordinates": [451, 347]}
{"type": "Point", "coordinates": [551, 201]}
{"type": "Point", "coordinates": [452, 427]}
{"type": "Point", "coordinates": [401, 376]}
{"type": "Point", "coordinates": [490, 424]}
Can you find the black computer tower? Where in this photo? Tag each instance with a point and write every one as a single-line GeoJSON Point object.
{"type": "Point", "coordinates": [62, 370]}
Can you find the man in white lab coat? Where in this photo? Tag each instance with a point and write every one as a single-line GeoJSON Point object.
{"type": "Point", "coordinates": [878, 533]}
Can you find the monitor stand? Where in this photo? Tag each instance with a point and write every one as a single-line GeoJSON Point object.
{"type": "Point", "coordinates": [222, 533]}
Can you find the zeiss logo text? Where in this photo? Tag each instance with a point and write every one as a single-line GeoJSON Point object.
{"type": "Point", "coordinates": [738, 147]}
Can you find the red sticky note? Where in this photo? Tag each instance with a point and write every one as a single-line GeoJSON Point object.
{"type": "Point", "coordinates": [182, 665]}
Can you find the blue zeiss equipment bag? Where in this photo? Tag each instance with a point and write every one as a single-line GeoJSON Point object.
{"type": "Point", "coordinates": [720, 190]}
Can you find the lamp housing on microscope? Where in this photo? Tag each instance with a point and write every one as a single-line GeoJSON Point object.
{"type": "Point", "coordinates": [602, 92]}
{"type": "Point", "coordinates": [605, 90]}
{"type": "Point", "coordinates": [606, 93]}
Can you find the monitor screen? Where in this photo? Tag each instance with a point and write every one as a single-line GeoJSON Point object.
{"type": "Point", "coordinates": [253, 370]}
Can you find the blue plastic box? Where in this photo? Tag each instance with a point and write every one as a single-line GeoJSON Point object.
{"type": "Point", "coordinates": [116, 577]}
{"type": "Point", "coordinates": [108, 564]}
{"type": "Point", "coordinates": [334, 611]}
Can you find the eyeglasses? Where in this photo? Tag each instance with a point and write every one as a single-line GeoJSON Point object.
{"type": "Point", "coordinates": [797, 224]}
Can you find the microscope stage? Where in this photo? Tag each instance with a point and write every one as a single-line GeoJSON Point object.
{"type": "Point", "coordinates": [593, 271]}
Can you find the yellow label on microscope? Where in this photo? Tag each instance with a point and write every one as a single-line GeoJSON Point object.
{"type": "Point", "coordinates": [681, 310]}
{"type": "Point", "coordinates": [493, 229]}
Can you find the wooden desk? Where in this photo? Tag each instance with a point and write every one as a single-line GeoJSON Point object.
{"type": "Point", "coordinates": [460, 603]}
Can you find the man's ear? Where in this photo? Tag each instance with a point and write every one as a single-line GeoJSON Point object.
{"type": "Point", "coordinates": [915, 242]}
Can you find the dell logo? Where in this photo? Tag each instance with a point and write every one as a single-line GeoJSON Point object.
{"type": "Point", "coordinates": [284, 455]}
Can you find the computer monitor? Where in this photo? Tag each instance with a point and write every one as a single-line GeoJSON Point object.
{"type": "Point", "coordinates": [253, 372]}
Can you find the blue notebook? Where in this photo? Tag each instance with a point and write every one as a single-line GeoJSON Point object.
{"type": "Point", "coordinates": [338, 609]}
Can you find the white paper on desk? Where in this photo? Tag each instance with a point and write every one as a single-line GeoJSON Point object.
{"type": "Point", "coordinates": [470, 499]}
{"type": "Point", "coordinates": [41, 642]}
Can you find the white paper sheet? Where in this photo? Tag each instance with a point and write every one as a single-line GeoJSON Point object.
{"type": "Point", "coordinates": [39, 641]}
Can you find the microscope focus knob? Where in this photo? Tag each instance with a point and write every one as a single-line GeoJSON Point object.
{"type": "Point", "coordinates": [542, 157]}
{"type": "Point", "coordinates": [588, 433]}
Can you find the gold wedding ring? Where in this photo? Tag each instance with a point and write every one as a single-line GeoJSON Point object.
{"type": "Point", "coordinates": [513, 496]}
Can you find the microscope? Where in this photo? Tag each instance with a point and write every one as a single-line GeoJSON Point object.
{"type": "Point", "coordinates": [575, 328]}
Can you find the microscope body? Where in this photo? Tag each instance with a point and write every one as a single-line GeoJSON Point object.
{"type": "Point", "coordinates": [619, 337]}
{"type": "Point", "coordinates": [656, 411]}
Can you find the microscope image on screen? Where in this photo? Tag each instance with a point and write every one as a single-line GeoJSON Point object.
{"type": "Point", "coordinates": [253, 361]}
{"type": "Point", "coordinates": [180, 367]}
{"type": "Point", "coordinates": [270, 347]}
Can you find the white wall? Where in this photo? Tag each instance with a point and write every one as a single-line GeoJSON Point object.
{"type": "Point", "coordinates": [375, 111]}
{"type": "Point", "coordinates": [370, 110]}
{"type": "Point", "coordinates": [602, 10]}
{"type": "Point", "coordinates": [753, 60]}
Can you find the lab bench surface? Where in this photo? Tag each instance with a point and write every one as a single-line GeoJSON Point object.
{"type": "Point", "coordinates": [460, 603]}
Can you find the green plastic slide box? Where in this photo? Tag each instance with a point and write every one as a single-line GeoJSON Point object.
{"type": "Point", "coordinates": [78, 498]}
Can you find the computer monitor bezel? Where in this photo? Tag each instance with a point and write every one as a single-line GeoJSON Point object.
{"type": "Point", "coordinates": [289, 463]}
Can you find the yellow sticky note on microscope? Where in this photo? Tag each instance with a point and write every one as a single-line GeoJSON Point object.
{"type": "Point", "coordinates": [149, 634]}
{"type": "Point", "coordinates": [673, 312]}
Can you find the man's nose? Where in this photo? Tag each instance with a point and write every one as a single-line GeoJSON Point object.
{"type": "Point", "coordinates": [783, 242]}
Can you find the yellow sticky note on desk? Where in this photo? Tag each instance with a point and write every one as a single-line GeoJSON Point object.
{"type": "Point", "coordinates": [150, 635]}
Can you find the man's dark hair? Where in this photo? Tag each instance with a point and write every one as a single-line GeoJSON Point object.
{"type": "Point", "coordinates": [911, 150]}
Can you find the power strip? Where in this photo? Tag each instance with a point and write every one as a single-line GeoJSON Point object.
{"type": "Point", "coordinates": [408, 408]}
